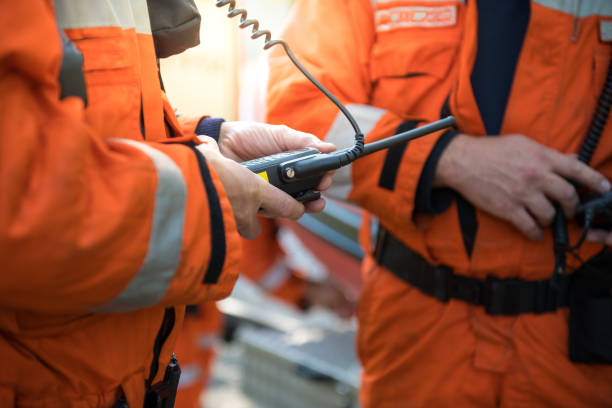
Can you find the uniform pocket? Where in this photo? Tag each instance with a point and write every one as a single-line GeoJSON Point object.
{"type": "Point", "coordinates": [112, 77]}
{"type": "Point", "coordinates": [416, 38]}
{"type": "Point", "coordinates": [417, 43]}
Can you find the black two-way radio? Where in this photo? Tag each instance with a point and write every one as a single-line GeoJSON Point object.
{"type": "Point", "coordinates": [298, 172]}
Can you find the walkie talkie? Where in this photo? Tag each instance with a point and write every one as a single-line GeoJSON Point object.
{"type": "Point", "coordinates": [298, 172]}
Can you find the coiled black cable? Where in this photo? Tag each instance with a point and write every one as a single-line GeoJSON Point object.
{"type": "Point", "coordinates": [352, 153]}
{"type": "Point", "coordinates": [585, 154]}
{"type": "Point", "coordinates": [600, 117]}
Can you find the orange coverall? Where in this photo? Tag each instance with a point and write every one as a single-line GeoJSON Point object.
{"type": "Point", "coordinates": [398, 60]}
{"type": "Point", "coordinates": [105, 230]}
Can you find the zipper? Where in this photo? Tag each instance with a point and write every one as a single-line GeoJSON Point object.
{"type": "Point", "coordinates": [162, 335]}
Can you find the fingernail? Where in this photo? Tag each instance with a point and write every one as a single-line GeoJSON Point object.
{"type": "Point", "coordinates": [605, 186]}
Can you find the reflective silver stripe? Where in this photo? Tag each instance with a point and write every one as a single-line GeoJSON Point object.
{"type": "Point", "coordinates": [275, 276]}
{"type": "Point", "coordinates": [605, 30]}
{"type": "Point", "coordinates": [150, 283]}
{"type": "Point", "coordinates": [342, 135]}
{"type": "Point", "coordinates": [579, 8]}
{"type": "Point", "coordinates": [103, 13]}
{"type": "Point", "coordinates": [142, 22]}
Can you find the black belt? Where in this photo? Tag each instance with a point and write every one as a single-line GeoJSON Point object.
{"type": "Point", "coordinates": [498, 296]}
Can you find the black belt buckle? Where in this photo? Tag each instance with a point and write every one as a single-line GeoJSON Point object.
{"type": "Point", "coordinates": [163, 393]}
{"type": "Point", "coordinates": [509, 297]}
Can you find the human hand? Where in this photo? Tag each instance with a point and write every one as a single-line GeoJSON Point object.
{"type": "Point", "coordinates": [248, 193]}
{"type": "Point", "coordinates": [242, 141]}
{"type": "Point", "coordinates": [330, 295]}
{"type": "Point", "coordinates": [515, 178]}
{"type": "Point", "coordinates": [599, 236]}
{"type": "Point", "coordinates": [595, 212]}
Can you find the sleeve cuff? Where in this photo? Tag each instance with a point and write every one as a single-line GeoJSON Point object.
{"type": "Point", "coordinates": [210, 127]}
{"type": "Point", "coordinates": [217, 225]}
{"type": "Point", "coordinates": [429, 199]}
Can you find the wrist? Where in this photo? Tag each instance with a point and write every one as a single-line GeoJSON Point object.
{"type": "Point", "coordinates": [211, 127]}
{"type": "Point", "coordinates": [227, 137]}
{"type": "Point", "coordinates": [450, 167]}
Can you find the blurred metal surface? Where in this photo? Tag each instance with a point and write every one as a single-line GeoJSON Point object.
{"type": "Point", "coordinates": [338, 225]}
{"type": "Point", "coordinates": [306, 368]}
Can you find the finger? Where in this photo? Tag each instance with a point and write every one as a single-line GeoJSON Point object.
{"type": "Point", "coordinates": [250, 228]}
{"type": "Point", "coordinates": [276, 203]}
{"type": "Point", "coordinates": [207, 143]}
{"type": "Point", "coordinates": [315, 206]}
{"type": "Point", "coordinates": [525, 223]}
{"type": "Point", "coordinates": [599, 236]}
{"type": "Point", "coordinates": [325, 183]}
{"type": "Point", "coordinates": [575, 170]}
{"type": "Point", "coordinates": [542, 209]}
{"type": "Point", "coordinates": [561, 191]}
{"type": "Point", "coordinates": [324, 147]}
{"type": "Point", "coordinates": [294, 139]}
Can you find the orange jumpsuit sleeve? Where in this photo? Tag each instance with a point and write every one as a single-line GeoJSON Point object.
{"type": "Point", "coordinates": [334, 40]}
{"type": "Point", "coordinates": [90, 222]}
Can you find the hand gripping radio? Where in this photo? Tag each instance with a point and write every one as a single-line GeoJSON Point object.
{"type": "Point", "coordinates": [298, 172]}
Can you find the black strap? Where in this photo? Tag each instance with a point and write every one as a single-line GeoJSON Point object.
{"type": "Point", "coordinates": [498, 296]}
{"type": "Point", "coordinates": [393, 158]}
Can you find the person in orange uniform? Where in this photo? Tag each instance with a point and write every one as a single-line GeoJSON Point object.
{"type": "Point", "coordinates": [113, 216]}
{"type": "Point", "coordinates": [459, 306]}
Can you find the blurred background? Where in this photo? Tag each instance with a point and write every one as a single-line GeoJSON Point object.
{"type": "Point", "coordinates": [268, 353]}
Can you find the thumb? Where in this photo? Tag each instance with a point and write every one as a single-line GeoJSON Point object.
{"type": "Point", "coordinates": [277, 203]}
{"type": "Point", "coordinates": [208, 144]}
{"type": "Point", "coordinates": [294, 139]}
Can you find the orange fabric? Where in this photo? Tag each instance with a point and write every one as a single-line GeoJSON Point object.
{"type": "Point", "coordinates": [77, 214]}
{"type": "Point", "coordinates": [417, 351]}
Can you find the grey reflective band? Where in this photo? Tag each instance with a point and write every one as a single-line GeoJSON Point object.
{"type": "Point", "coordinates": [103, 13]}
{"type": "Point", "coordinates": [605, 30]}
{"type": "Point", "coordinates": [151, 282]}
{"type": "Point", "coordinates": [579, 8]}
{"type": "Point", "coordinates": [342, 135]}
